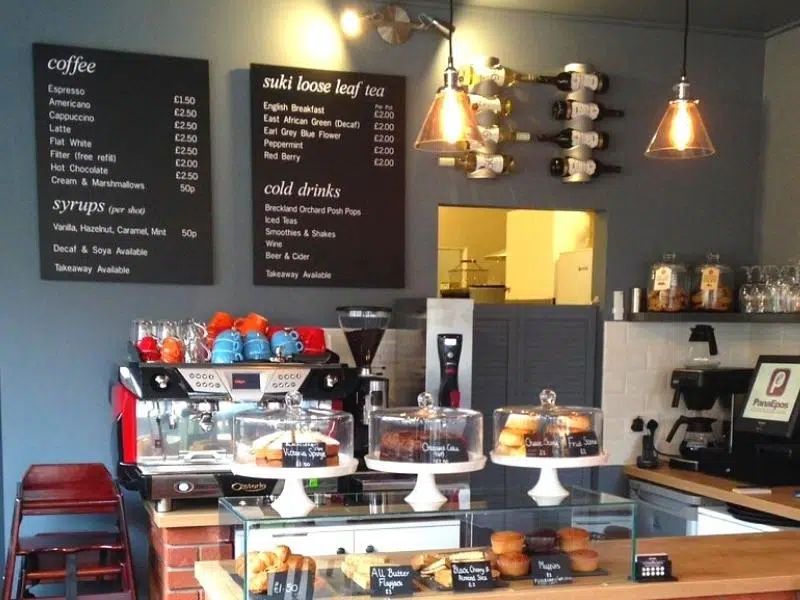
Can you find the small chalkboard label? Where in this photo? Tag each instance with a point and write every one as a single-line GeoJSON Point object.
{"type": "Point", "coordinates": [276, 586]}
{"type": "Point", "coordinates": [473, 576]}
{"type": "Point", "coordinates": [442, 452]}
{"type": "Point", "coordinates": [551, 569]}
{"type": "Point", "coordinates": [391, 581]}
{"type": "Point", "coordinates": [538, 447]}
{"type": "Point", "coordinates": [304, 455]}
{"type": "Point", "coordinates": [583, 444]}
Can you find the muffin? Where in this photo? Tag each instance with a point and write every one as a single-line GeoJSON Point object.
{"type": "Point", "coordinates": [541, 541]}
{"type": "Point", "coordinates": [583, 561]}
{"type": "Point", "coordinates": [513, 564]}
{"type": "Point", "coordinates": [504, 542]}
{"type": "Point", "coordinates": [573, 538]}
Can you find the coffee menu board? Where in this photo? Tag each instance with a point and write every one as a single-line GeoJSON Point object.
{"type": "Point", "coordinates": [123, 166]}
{"type": "Point", "coordinates": [328, 163]}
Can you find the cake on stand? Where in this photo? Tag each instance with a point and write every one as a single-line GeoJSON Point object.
{"type": "Point", "coordinates": [426, 442]}
{"type": "Point", "coordinates": [293, 444]}
{"type": "Point", "coordinates": [548, 438]}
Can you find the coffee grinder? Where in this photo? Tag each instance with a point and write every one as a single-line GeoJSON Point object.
{"type": "Point", "coordinates": [364, 327]}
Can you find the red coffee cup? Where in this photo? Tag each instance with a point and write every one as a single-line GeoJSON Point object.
{"type": "Point", "coordinates": [171, 350]}
{"type": "Point", "coordinates": [148, 349]}
{"type": "Point", "coordinates": [313, 339]}
{"type": "Point", "coordinates": [252, 322]}
{"type": "Point", "coordinates": [219, 322]}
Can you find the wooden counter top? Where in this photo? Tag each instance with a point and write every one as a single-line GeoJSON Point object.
{"type": "Point", "coordinates": [705, 566]}
{"type": "Point", "coordinates": [206, 516]}
{"type": "Point", "coordinates": [780, 502]}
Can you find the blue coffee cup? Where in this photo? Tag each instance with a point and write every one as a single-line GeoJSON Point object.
{"type": "Point", "coordinates": [256, 347]}
{"type": "Point", "coordinates": [225, 356]}
{"type": "Point", "coordinates": [285, 344]}
{"type": "Point", "coordinates": [228, 340]}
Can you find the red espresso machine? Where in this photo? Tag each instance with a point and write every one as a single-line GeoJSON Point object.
{"type": "Point", "coordinates": [175, 422]}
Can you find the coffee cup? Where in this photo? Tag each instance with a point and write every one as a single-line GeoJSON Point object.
{"type": "Point", "coordinates": [285, 344]}
{"type": "Point", "coordinates": [171, 350]}
{"type": "Point", "coordinates": [196, 352]}
{"type": "Point", "coordinates": [257, 347]}
{"type": "Point", "coordinates": [313, 339]}
{"type": "Point", "coordinates": [148, 349]}
{"type": "Point", "coordinates": [252, 322]}
{"type": "Point", "coordinates": [229, 340]}
{"type": "Point", "coordinates": [219, 322]}
{"type": "Point", "coordinates": [225, 356]}
{"type": "Point", "coordinates": [166, 328]}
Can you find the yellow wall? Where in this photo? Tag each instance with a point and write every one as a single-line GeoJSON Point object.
{"type": "Point", "coordinates": [573, 230]}
{"type": "Point", "coordinates": [530, 269]}
{"type": "Point", "coordinates": [481, 231]}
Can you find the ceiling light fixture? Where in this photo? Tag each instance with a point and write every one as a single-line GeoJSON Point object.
{"type": "Point", "coordinates": [681, 133]}
{"type": "Point", "coordinates": [449, 126]}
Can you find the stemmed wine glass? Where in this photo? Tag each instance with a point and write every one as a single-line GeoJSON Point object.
{"type": "Point", "coordinates": [747, 292]}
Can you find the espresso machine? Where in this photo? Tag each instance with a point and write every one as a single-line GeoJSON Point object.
{"type": "Point", "coordinates": [174, 422]}
{"type": "Point", "coordinates": [363, 327]}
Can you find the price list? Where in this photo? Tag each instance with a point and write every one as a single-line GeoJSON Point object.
{"type": "Point", "coordinates": [328, 157]}
{"type": "Point", "coordinates": [123, 166]}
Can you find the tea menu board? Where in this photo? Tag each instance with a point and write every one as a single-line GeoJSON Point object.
{"type": "Point", "coordinates": [123, 166]}
{"type": "Point", "coordinates": [328, 164]}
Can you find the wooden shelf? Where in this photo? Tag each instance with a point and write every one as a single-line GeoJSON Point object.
{"type": "Point", "coordinates": [712, 317]}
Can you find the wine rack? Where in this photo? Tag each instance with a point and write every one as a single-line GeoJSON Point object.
{"type": "Point", "coordinates": [581, 152]}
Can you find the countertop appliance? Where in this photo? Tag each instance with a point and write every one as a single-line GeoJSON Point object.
{"type": "Point", "coordinates": [363, 328]}
{"type": "Point", "coordinates": [449, 347]}
{"type": "Point", "coordinates": [665, 512]}
{"type": "Point", "coordinates": [573, 277]}
{"type": "Point", "coordinates": [174, 422]}
{"type": "Point", "coordinates": [699, 435]}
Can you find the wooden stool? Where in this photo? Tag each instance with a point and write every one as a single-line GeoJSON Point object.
{"type": "Point", "coordinates": [69, 489]}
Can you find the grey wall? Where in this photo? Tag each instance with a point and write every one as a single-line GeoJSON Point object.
{"type": "Point", "coordinates": [60, 341]}
{"type": "Point", "coordinates": [780, 240]}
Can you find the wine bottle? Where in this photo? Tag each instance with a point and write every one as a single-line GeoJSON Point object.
{"type": "Point", "coordinates": [572, 81]}
{"type": "Point", "coordinates": [565, 110]}
{"type": "Point", "coordinates": [569, 137]}
{"type": "Point", "coordinates": [495, 104]}
{"type": "Point", "coordinates": [500, 133]}
{"type": "Point", "coordinates": [502, 76]}
{"type": "Point", "coordinates": [471, 161]}
{"type": "Point", "coordinates": [564, 167]}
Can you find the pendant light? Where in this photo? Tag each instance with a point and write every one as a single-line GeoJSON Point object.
{"type": "Point", "coordinates": [450, 124]}
{"type": "Point", "coordinates": [681, 133]}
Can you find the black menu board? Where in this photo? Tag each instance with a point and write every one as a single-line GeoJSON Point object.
{"type": "Point", "coordinates": [123, 166]}
{"type": "Point", "coordinates": [328, 178]}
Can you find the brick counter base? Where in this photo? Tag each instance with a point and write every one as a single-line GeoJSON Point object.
{"type": "Point", "coordinates": [173, 553]}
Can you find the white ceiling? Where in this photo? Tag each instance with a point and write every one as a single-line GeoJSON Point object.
{"type": "Point", "coordinates": [755, 17]}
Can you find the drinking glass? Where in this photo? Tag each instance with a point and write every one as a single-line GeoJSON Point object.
{"type": "Point", "coordinates": [794, 291]}
{"type": "Point", "coordinates": [772, 290]}
{"type": "Point", "coordinates": [759, 290]}
{"type": "Point", "coordinates": [747, 292]}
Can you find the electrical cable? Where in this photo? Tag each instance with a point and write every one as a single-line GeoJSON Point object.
{"type": "Point", "coordinates": [685, 37]}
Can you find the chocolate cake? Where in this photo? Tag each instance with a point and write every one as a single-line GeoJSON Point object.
{"type": "Point", "coordinates": [411, 445]}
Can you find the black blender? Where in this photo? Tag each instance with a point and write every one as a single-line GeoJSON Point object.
{"type": "Point", "coordinates": [364, 327]}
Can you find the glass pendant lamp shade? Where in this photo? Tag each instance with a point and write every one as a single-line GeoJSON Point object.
{"type": "Point", "coordinates": [450, 124]}
{"type": "Point", "coordinates": [681, 133]}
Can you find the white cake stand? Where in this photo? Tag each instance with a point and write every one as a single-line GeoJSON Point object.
{"type": "Point", "coordinates": [548, 491]}
{"type": "Point", "coordinates": [425, 495]}
{"type": "Point", "coordinates": [293, 500]}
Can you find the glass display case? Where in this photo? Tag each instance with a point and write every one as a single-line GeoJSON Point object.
{"type": "Point", "coordinates": [348, 542]}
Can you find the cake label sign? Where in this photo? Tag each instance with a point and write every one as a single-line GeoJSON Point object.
{"type": "Point", "coordinates": [551, 569]}
{"type": "Point", "coordinates": [536, 447]}
{"type": "Point", "coordinates": [583, 444]}
{"type": "Point", "coordinates": [442, 452]}
{"type": "Point", "coordinates": [391, 581]}
{"type": "Point", "coordinates": [304, 455]}
{"type": "Point", "coordinates": [475, 576]}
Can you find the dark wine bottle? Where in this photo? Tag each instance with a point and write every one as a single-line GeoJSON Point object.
{"type": "Point", "coordinates": [565, 110]}
{"type": "Point", "coordinates": [569, 137]}
{"type": "Point", "coordinates": [572, 81]}
{"type": "Point", "coordinates": [564, 167]}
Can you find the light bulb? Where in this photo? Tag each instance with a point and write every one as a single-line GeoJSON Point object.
{"type": "Point", "coordinates": [452, 116]}
{"type": "Point", "coordinates": [350, 22]}
{"type": "Point", "coordinates": [681, 131]}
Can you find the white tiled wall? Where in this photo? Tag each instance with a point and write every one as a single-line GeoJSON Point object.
{"type": "Point", "coordinates": [638, 359]}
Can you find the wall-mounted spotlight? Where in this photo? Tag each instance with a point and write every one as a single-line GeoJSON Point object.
{"type": "Point", "coordinates": [392, 22]}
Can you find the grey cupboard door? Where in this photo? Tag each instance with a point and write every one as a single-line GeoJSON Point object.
{"type": "Point", "coordinates": [493, 352]}
{"type": "Point", "coordinates": [557, 349]}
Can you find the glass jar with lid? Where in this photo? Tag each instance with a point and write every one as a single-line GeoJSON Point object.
{"type": "Point", "coordinates": [669, 285]}
{"type": "Point", "coordinates": [426, 434]}
{"type": "Point", "coordinates": [293, 437]}
{"type": "Point", "coordinates": [713, 286]}
{"type": "Point", "coordinates": [548, 431]}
